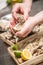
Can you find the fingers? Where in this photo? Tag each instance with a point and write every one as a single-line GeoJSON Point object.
{"type": "Point", "coordinates": [26, 29]}
{"type": "Point", "coordinates": [15, 10]}
{"type": "Point", "coordinates": [12, 24]}
{"type": "Point", "coordinates": [21, 9]}
{"type": "Point", "coordinates": [11, 28]}
{"type": "Point", "coordinates": [26, 13]}
{"type": "Point", "coordinates": [24, 32]}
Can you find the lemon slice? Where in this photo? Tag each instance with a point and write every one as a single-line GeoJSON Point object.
{"type": "Point", "coordinates": [26, 54]}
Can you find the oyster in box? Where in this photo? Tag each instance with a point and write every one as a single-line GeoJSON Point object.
{"type": "Point", "coordinates": [7, 17]}
{"type": "Point", "coordinates": [38, 28]}
{"type": "Point", "coordinates": [11, 39]}
{"type": "Point", "coordinates": [4, 22]}
{"type": "Point", "coordinates": [4, 25]}
{"type": "Point", "coordinates": [30, 50]}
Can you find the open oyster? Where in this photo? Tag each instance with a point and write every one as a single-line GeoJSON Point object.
{"type": "Point", "coordinates": [20, 23]}
{"type": "Point", "coordinates": [4, 25]}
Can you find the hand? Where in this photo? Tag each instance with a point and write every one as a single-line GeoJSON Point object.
{"type": "Point", "coordinates": [22, 8]}
{"type": "Point", "coordinates": [27, 28]}
{"type": "Point", "coordinates": [29, 24]}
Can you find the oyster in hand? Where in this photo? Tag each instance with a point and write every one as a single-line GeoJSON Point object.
{"type": "Point", "coordinates": [20, 23]}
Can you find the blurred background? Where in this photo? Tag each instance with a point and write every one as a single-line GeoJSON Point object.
{"type": "Point", "coordinates": [5, 6]}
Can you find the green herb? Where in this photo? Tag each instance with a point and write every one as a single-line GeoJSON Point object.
{"type": "Point", "coordinates": [17, 53]}
{"type": "Point", "coordinates": [15, 47]}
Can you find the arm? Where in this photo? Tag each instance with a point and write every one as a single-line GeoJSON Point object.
{"type": "Point", "coordinates": [38, 18]}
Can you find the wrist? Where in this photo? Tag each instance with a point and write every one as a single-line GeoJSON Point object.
{"type": "Point", "coordinates": [38, 18]}
{"type": "Point", "coordinates": [31, 21]}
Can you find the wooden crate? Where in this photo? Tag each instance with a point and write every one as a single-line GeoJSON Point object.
{"type": "Point", "coordinates": [8, 41]}
{"type": "Point", "coordinates": [23, 44]}
{"type": "Point", "coordinates": [5, 40]}
{"type": "Point", "coordinates": [2, 36]}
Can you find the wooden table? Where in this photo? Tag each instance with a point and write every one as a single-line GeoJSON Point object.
{"type": "Point", "coordinates": [5, 58]}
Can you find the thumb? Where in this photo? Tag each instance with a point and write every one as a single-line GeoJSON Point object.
{"type": "Point", "coordinates": [19, 34]}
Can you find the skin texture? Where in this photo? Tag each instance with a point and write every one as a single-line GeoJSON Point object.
{"type": "Point", "coordinates": [30, 24]}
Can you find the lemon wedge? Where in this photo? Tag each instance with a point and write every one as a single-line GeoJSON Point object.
{"type": "Point", "coordinates": [26, 54]}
